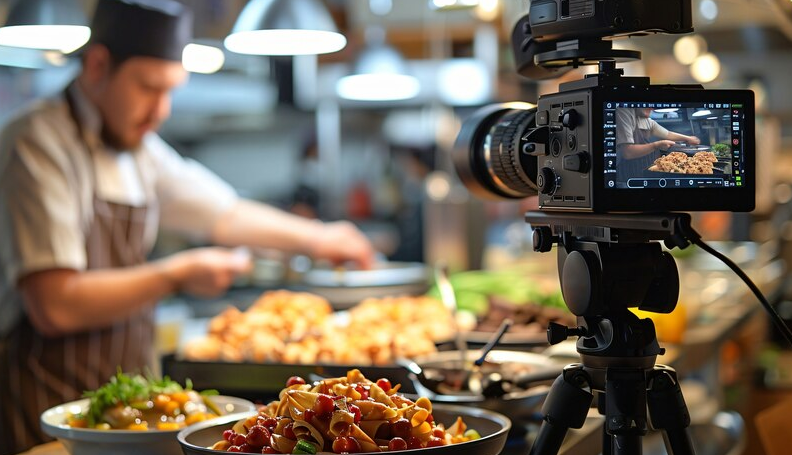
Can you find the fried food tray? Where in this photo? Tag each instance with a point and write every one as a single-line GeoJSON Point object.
{"type": "Point", "coordinates": [263, 381]}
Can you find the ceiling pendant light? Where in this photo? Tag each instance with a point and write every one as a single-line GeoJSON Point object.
{"type": "Point", "coordinates": [46, 24]}
{"type": "Point", "coordinates": [285, 27]}
{"type": "Point", "coordinates": [379, 73]}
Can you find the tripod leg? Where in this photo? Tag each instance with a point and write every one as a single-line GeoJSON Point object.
{"type": "Point", "coordinates": [565, 407]}
{"type": "Point", "coordinates": [625, 409]}
{"type": "Point", "coordinates": [668, 410]}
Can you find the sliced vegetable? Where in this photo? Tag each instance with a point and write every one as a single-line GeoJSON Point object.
{"type": "Point", "coordinates": [304, 446]}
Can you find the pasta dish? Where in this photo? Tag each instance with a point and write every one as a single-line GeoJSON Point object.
{"type": "Point", "coordinates": [342, 415]}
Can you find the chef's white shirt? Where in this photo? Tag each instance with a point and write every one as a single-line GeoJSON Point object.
{"type": "Point", "coordinates": [48, 178]}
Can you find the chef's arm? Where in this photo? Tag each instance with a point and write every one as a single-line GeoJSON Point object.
{"type": "Point", "coordinates": [693, 140]}
{"type": "Point", "coordinates": [255, 224]}
{"type": "Point", "coordinates": [63, 301]}
{"type": "Point", "coordinates": [632, 151]}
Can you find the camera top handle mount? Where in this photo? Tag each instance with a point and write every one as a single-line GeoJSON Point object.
{"type": "Point", "coordinates": [607, 264]}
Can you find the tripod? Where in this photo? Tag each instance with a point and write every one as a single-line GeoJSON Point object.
{"type": "Point", "coordinates": [606, 265]}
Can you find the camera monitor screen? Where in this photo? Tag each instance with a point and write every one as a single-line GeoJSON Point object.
{"type": "Point", "coordinates": [673, 145]}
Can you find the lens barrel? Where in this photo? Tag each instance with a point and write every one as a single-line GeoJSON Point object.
{"type": "Point", "coordinates": [490, 154]}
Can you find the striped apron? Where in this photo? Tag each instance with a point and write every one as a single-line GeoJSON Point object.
{"type": "Point", "coordinates": [37, 373]}
{"type": "Point", "coordinates": [637, 168]}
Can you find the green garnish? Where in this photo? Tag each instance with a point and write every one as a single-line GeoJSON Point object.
{"type": "Point", "coordinates": [127, 389]}
{"type": "Point", "coordinates": [304, 446]}
{"type": "Point", "coordinates": [472, 434]}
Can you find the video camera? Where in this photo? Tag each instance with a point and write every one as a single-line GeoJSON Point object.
{"type": "Point", "coordinates": [610, 157]}
{"type": "Point", "coordinates": [609, 143]}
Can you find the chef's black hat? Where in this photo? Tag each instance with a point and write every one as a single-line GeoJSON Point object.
{"type": "Point", "coordinates": [145, 28]}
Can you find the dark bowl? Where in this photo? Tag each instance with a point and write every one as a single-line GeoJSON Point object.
{"type": "Point", "coordinates": [492, 427]}
{"type": "Point", "coordinates": [521, 404]}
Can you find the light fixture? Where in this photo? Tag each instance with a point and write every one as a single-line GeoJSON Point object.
{"type": "Point", "coordinates": [447, 5]}
{"type": "Point", "coordinates": [46, 24]}
{"type": "Point", "coordinates": [702, 113]}
{"type": "Point", "coordinates": [285, 27]}
{"type": "Point", "coordinates": [712, 118]}
{"type": "Point", "coordinates": [199, 58]}
{"type": "Point", "coordinates": [379, 73]}
{"type": "Point", "coordinates": [706, 68]}
{"type": "Point", "coordinates": [667, 110]}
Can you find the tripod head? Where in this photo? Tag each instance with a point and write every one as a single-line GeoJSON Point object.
{"type": "Point", "coordinates": [608, 264]}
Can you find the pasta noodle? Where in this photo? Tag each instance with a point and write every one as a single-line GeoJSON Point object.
{"type": "Point", "coordinates": [367, 417]}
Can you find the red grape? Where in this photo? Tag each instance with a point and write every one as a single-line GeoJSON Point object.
{"type": "Point", "coordinates": [384, 384]}
{"type": "Point", "coordinates": [288, 431]}
{"type": "Point", "coordinates": [247, 448]}
{"type": "Point", "coordinates": [356, 412]}
{"type": "Point", "coordinates": [438, 433]}
{"type": "Point", "coordinates": [258, 436]}
{"type": "Point", "coordinates": [234, 449]}
{"type": "Point", "coordinates": [268, 422]}
{"type": "Point", "coordinates": [229, 434]}
{"type": "Point", "coordinates": [401, 428]}
{"type": "Point", "coordinates": [413, 443]}
{"type": "Point", "coordinates": [239, 439]}
{"type": "Point", "coordinates": [364, 393]}
{"type": "Point", "coordinates": [430, 418]}
{"type": "Point", "coordinates": [383, 432]}
{"type": "Point", "coordinates": [324, 405]}
{"type": "Point", "coordinates": [397, 444]}
{"type": "Point", "coordinates": [308, 415]}
{"type": "Point", "coordinates": [294, 380]}
{"type": "Point", "coordinates": [346, 444]}
{"type": "Point", "coordinates": [435, 442]}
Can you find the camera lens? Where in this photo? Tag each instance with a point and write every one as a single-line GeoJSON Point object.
{"type": "Point", "coordinates": [490, 152]}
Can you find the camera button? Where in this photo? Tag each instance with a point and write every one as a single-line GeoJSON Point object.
{"type": "Point", "coordinates": [542, 118]}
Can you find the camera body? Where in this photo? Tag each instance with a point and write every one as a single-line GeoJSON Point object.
{"type": "Point", "coordinates": [609, 143]}
{"type": "Point", "coordinates": [572, 150]}
{"type": "Point", "coordinates": [558, 19]}
{"type": "Point", "coordinates": [583, 166]}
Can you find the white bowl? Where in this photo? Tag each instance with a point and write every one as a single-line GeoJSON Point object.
{"type": "Point", "coordinates": [84, 441]}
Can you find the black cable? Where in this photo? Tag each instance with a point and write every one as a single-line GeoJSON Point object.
{"type": "Point", "coordinates": [695, 238]}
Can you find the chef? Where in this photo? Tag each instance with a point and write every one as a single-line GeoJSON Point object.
{"type": "Point", "coordinates": [640, 141]}
{"type": "Point", "coordinates": [85, 183]}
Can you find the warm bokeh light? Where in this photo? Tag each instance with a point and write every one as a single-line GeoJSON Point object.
{"type": "Point", "coordinates": [706, 68]}
{"type": "Point", "coordinates": [487, 10]}
{"type": "Point", "coordinates": [688, 48]}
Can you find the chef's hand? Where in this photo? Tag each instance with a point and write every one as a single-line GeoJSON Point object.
{"type": "Point", "coordinates": [206, 272]}
{"type": "Point", "coordinates": [664, 144]}
{"type": "Point", "coordinates": [341, 241]}
{"type": "Point", "coordinates": [694, 140]}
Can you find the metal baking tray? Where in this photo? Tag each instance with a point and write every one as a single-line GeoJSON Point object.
{"type": "Point", "coordinates": [263, 381]}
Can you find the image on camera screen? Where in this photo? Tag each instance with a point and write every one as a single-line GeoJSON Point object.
{"type": "Point", "coordinates": [673, 145]}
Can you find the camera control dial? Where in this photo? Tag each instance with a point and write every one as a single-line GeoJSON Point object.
{"type": "Point", "coordinates": [569, 118]}
{"type": "Point", "coordinates": [546, 180]}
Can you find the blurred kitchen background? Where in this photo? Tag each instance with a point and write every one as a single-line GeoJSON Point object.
{"type": "Point", "coordinates": [281, 130]}
{"type": "Point", "coordinates": [285, 130]}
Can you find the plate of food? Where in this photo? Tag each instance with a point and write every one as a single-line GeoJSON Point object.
{"type": "Point", "coordinates": [285, 327]}
{"type": "Point", "coordinates": [485, 298]}
{"type": "Point", "coordinates": [350, 414]}
{"type": "Point", "coordinates": [701, 162]}
{"type": "Point", "coordinates": [133, 414]}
